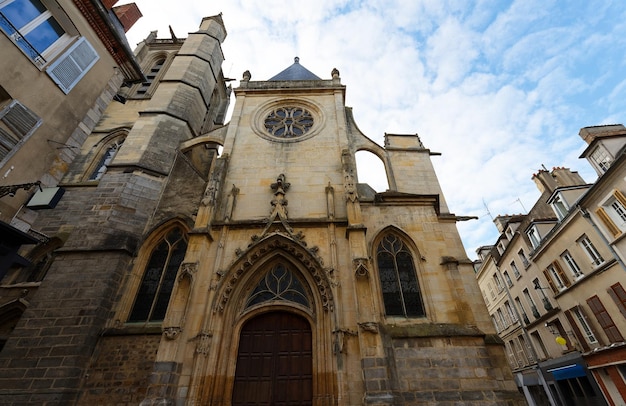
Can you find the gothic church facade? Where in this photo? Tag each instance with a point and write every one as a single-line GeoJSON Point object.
{"type": "Point", "coordinates": [203, 263]}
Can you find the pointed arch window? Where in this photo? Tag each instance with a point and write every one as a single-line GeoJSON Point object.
{"type": "Point", "coordinates": [158, 279]}
{"type": "Point", "coordinates": [151, 75]}
{"type": "Point", "coordinates": [279, 283]}
{"type": "Point", "coordinates": [105, 157]}
{"type": "Point", "coordinates": [398, 279]}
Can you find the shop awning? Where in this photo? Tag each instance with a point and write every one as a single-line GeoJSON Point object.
{"type": "Point", "coordinates": [567, 372]}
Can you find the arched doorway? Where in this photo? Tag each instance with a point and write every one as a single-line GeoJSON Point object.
{"type": "Point", "coordinates": [274, 361]}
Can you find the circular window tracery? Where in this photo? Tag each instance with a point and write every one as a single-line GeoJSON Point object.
{"type": "Point", "coordinates": [288, 122]}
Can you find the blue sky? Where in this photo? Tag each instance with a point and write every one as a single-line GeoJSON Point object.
{"type": "Point", "coordinates": [499, 88]}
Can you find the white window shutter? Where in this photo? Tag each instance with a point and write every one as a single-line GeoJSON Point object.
{"type": "Point", "coordinates": [70, 67]}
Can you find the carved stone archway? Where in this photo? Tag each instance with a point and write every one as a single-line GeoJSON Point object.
{"type": "Point", "coordinates": [229, 314]}
{"type": "Point", "coordinates": [269, 246]}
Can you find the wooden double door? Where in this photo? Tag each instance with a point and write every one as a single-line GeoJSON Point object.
{"type": "Point", "coordinates": [274, 362]}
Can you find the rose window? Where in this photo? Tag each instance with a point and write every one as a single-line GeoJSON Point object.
{"type": "Point", "coordinates": [288, 122]}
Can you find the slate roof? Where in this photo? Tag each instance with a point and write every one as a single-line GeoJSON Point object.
{"type": "Point", "coordinates": [295, 72]}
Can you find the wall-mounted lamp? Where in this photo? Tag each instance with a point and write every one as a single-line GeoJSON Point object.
{"type": "Point", "coordinates": [551, 328]}
{"type": "Point", "coordinates": [546, 303]}
{"type": "Point", "coordinates": [11, 190]}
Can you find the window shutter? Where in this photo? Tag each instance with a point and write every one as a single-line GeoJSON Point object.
{"type": "Point", "coordinates": [546, 273]}
{"type": "Point", "coordinates": [19, 119]}
{"type": "Point", "coordinates": [618, 294]}
{"type": "Point", "coordinates": [576, 330]}
{"type": "Point", "coordinates": [16, 123]}
{"type": "Point", "coordinates": [70, 67]}
{"type": "Point", "coordinates": [605, 320]}
{"type": "Point", "coordinates": [561, 274]}
{"type": "Point", "coordinates": [620, 197]}
{"type": "Point", "coordinates": [613, 229]}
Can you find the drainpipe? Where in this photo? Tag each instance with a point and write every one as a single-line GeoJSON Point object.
{"type": "Point", "coordinates": [530, 345]}
{"type": "Point", "coordinates": [583, 212]}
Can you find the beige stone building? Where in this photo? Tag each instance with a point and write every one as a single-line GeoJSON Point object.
{"type": "Point", "coordinates": [241, 263]}
{"type": "Point", "coordinates": [553, 282]}
{"type": "Point", "coordinates": [61, 63]}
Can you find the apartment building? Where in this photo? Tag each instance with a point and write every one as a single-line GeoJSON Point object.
{"type": "Point", "coordinates": [554, 281]}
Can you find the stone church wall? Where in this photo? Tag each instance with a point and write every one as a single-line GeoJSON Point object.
{"type": "Point", "coordinates": [449, 371]}
{"type": "Point", "coordinates": [120, 370]}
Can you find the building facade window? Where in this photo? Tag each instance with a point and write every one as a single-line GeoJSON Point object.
{"type": "Point", "coordinates": [31, 26]}
{"type": "Point", "coordinates": [526, 348]}
{"type": "Point", "coordinates": [398, 278]}
{"type": "Point", "coordinates": [604, 319]}
{"type": "Point", "coordinates": [522, 311]}
{"type": "Point", "coordinates": [495, 324]}
{"type": "Point", "coordinates": [560, 207]}
{"type": "Point", "coordinates": [531, 303]}
{"type": "Point", "coordinates": [613, 213]}
{"type": "Point", "coordinates": [501, 247]}
{"type": "Point", "coordinates": [507, 279]}
{"type": "Point", "coordinates": [516, 271]}
{"type": "Point", "coordinates": [523, 258]}
{"type": "Point", "coordinates": [510, 311]}
{"type": "Point", "coordinates": [510, 348]}
{"type": "Point", "coordinates": [17, 123]}
{"type": "Point", "coordinates": [537, 339]}
{"type": "Point", "coordinates": [546, 302]}
{"type": "Point", "coordinates": [158, 278]}
{"type": "Point", "coordinates": [586, 329]}
{"type": "Point", "coordinates": [591, 251]}
{"type": "Point", "coordinates": [556, 278]}
{"type": "Point", "coordinates": [502, 319]}
{"type": "Point", "coordinates": [104, 158]}
{"type": "Point", "coordinates": [600, 156]}
{"type": "Point", "coordinates": [519, 351]}
{"type": "Point", "coordinates": [151, 75]}
{"type": "Point", "coordinates": [498, 282]}
{"type": "Point", "coordinates": [49, 39]}
{"type": "Point", "coordinates": [533, 236]}
{"type": "Point", "coordinates": [571, 265]}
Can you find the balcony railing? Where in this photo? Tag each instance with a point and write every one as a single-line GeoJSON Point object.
{"type": "Point", "coordinates": [12, 32]}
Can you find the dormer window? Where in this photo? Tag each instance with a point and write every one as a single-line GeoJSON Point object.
{"type": "Point", "coordinates": [509, 233]}
{"type": "Point", "coordinates": [600, 156]}
{"type": "Point", "coordinates": [533, 236]}
{"type": "Point", "coordinates": [501, 247]}
{"type": "Point", "coordinates": [560, 206]}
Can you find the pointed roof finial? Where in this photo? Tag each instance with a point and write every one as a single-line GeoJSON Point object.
{"type": "Point", "coordinates": [296, 60]}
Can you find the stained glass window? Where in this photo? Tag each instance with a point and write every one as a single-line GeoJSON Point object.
{"type": "Point", "coordinates": [279, 284]}
{"type": "Point", "coordinates": [398, 279]}
{"type": "Point", "coordinates": [158, 279]}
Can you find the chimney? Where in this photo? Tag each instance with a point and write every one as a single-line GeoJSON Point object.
{"type": "Point", "coordinates": [545, 181]}
{"type": "Point", "coordinates": [501, 221]}
{"type": "Point", "coordinates": [565, 177]}
{"type": "Point", "coordinates": [108, 4]}
{"type": "Point", "coordinates": [128, 14]}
